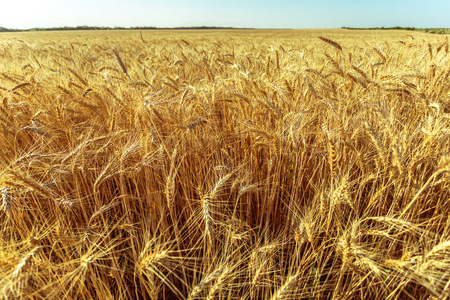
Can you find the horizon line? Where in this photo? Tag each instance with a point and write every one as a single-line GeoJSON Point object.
{"type": "Point", "coordinates": [204, 27]}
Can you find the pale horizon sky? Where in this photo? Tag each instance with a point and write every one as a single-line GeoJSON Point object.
{"type": "Point", "coordinates": [26, 14]}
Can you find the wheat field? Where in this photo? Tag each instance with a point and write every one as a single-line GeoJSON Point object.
{"type": "Point", "coordinates": [241, 164]}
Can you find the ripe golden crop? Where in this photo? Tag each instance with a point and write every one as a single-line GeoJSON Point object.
{"type": "Point", "coordinates": [250, 164]}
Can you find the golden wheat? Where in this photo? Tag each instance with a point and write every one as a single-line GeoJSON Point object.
{"type": "Point", "coordinates": [307, 166]}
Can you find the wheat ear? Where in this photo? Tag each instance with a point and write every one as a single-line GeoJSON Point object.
{"type": "Point", "coordinates": [284, 291]}
{"type": "Point", "coordinates": [31, 183]}
{"type": "Point", "coordinates": [380, 55]}
{"type": "Point", "coordinates": [330, 42]}
{"type": "Point", "coordinates": [120, 61]}
{"type": "Point", "coordinates": [170, 182]}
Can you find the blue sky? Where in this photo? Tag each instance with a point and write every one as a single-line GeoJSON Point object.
{"type": "Point", "coordinates": [236, 13]}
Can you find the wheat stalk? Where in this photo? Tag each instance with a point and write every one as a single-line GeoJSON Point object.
{"type": "Point", "coordinates": [170, 182]}
{"type": "Point", "coordinates": [205, 282]}
{"type": "Point", "coordinates": [78, 76]}
{"type": "Point", "coordinates": [19, 86]}
{"type": "Point", "coordinates": [31, 184]}
{"type": "Point", "coordinates": [332, 158]}
{"type": "Point", "coordinates": [120, 62]}
{"type": "Point", "coordinates": [380, 55]}
{"type": "Point", "coordinates": [17, 281]}
{"type": "Point", "coordinates": [286, 289]}
{"type": "Point", "coordinates": [7, 202]}
{"type": "Point", "coordinates": [330, 42]}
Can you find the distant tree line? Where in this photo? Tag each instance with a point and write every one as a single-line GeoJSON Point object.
{"type": "Point", "coordinates": [428, 30]}
{"type": "Point", "coordinates": [380, 28]}
{"type": "Point", "coordinates": [3, 29]}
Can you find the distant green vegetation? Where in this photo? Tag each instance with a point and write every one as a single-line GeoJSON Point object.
{"type": "Point", "coordinates": [3, 29]}
{"type": "Point", "coordinates": [428, 30]}
{"type": "Point", "coordinates": [380, 28]}
{"type": "Point", "coordinates": [435, 30]}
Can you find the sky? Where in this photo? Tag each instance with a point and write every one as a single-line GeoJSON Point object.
{"type": "Point", "coordinates": [25, 14]}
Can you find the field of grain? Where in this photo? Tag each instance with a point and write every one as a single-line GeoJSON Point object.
{"type": "Point", "coordinates": [246, 164]}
